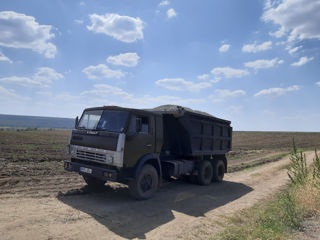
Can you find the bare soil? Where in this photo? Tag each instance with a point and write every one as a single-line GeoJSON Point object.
{"type": "Point", "coordinates": [311, 229]}
{"type": "Point", "coordinates": [61, 207]}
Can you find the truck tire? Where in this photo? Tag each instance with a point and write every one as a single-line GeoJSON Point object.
{"type": "Point", "coordinates": [218, 171]}
{"type": "Point", "coordinates": [205, 173]}
{"type": "Point", "coordinates": [146, 183]}
{"type": "Point", "coordinates": [93, 183]}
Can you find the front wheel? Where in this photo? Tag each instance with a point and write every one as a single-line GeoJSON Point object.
{"type": "Point", "coordinates": [146, 183]}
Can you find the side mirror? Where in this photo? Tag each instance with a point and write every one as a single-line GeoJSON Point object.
{"type": "Point", "coordinates": [76, 122]}
{"type": "Point", "coordinates": [138, 125]}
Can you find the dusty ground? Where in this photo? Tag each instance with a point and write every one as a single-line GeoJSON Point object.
{"type": "Point", "coordinates": [39, 211]}
{"type": "Point", "coordinates": [311, 229]}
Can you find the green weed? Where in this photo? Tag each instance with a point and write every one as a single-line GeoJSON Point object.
{"type": "Point", "coordinates": [297, 170]}
{"type": "Point", "coordinates": [316, 170]}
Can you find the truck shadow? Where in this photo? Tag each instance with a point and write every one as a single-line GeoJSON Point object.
{"type": "Point", "coordinates": [115, 209]}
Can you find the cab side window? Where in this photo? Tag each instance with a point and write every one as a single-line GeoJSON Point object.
{"type": "Point", "coordinates": [144, 124]}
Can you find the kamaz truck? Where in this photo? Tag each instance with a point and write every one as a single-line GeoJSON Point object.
{"type": "Point", "coordinates": [143, 147]}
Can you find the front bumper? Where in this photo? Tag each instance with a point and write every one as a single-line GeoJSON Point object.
{"type": "Point", "coordinates": [97, 172]}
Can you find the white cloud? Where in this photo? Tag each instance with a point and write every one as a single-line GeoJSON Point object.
{"type": "Point", "coordinates": [102, 71]}
{"type": "Point", "coordinates": [100, 92]}
{"type": "Point", "coordinates": [215, 80]}
{"type": "Point", "coordinates": [124, 59]}
{"type": "Point", "coordinates": [152, 101]}
{"type": "Point", "coordinates": [10, 95]}
{"type": "Point", "coordinates": [253, 48]}
{"type": "Point", "coordinates": [203, 77]}
{"type": "Point", "coordinates": [24, 81]}
{"type": "Point", "coordinates": [164, 3]}
{"type": "Point", "coordinates": [263, 63]}
{"type": "Point", "coordinates": [224, 48]}
{"type": "Point", "coordinates": [278, 34]}
{"type": "Point", "coordinates": [318, 84]}
{"type": "Point", "coordinates": [299, 18]}
{"type": "Point", "coordinates": [281, 43]}
{"type": "Point", "coordinates": [82, 4]}
{"type": "Point", "coordinates": [171, 13]}
{"type": "Point", "coordinates": [123, 28]}
{"type": "Point", "coordinates": [104, 90]}
{"type": "Point", "coordinates": [78, 21]}
{"type": "Point", "coordinates": [179, 84]}
{"type": "Point", "coordinates": [21, 31]}
{"type": "Point", "coordinates": [4, 58]}
{"type": "Point", "coordinates": [44, 93]}
{"type": "Point", "coordinates": [277, 91]}
{"type": "Point", "coordinates": [44, 77]}
{"type": "Point", "coordinates": [229, 72]}
{"type": "Point", "coordinates": [293, 50]}
{"type": "Point", "coordinates": [302, 61]}
{"type": "Point", "coordinates": [214, 99]}
{"type": "Point", "coordinates": [228, 93]}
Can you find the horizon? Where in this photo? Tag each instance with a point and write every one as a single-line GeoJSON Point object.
{"type": "Point", "coordinates": [255, 63]}
{"type": "Point", "coordinates": [73, 119]}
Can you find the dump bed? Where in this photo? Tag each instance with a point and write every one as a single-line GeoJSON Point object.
{"type": "Point", "coordinates": [191, 133]}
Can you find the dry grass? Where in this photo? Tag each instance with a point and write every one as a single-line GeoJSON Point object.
{"type": "Point", "coordinates": [308, 196]}
{"type": "Point", "coordinates": [284, 216]}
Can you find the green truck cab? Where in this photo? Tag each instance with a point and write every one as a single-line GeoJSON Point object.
{"type": "Point", "coordinates": [141, 148]}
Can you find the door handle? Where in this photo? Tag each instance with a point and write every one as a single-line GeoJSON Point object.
{"type": "Point", "coordinates": [149, 145]}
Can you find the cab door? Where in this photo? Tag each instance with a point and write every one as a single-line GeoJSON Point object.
{"type": "Point", "coordinates": [140, 138]}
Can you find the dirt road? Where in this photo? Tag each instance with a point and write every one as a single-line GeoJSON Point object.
{"type": "Point", "coordinates": [39, 211]}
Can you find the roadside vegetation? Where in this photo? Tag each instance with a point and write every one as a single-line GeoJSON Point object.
{"type": "Point", "coordinates": [282, 217]}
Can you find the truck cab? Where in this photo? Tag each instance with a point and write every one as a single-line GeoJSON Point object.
{"type": "Point", "coordinates": [135, 147]}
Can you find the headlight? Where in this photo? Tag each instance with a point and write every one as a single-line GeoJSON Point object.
{"type": "Point", "coordinates": [68, 148]}
{"type": "Point", "coordinates": [73, 150]}
{"type": "Point", "coordinates": [109, 159]}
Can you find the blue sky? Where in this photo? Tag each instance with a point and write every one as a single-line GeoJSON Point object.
{"type": "Point", "coordinates": [254, 62]}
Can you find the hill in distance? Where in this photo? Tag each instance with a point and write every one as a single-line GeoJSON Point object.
{"type": "Point", "coordinates": [19, 121]}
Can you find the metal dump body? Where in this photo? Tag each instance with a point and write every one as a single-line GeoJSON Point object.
{"type": "Point", "coordinates": [192, 133]}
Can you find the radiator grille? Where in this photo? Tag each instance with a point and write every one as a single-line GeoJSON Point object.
{"type": "Point", "coordinates": [91, 156]}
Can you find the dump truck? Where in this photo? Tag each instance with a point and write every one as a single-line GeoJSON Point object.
{"type": "Point", "coordinates": [144, 147]}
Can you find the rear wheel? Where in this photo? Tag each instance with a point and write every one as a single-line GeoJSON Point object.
{"type": "Point", "coordinates": [93, 183]}
{"type": "Point", "coordinates": [218, 170]}
{"type": "Point", "coordinates": [205, 172]}
{"type": "Point", "coordinates": [146, 183]}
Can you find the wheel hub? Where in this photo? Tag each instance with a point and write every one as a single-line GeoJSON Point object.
{"type": "Point", "coordinates": [146, 183]}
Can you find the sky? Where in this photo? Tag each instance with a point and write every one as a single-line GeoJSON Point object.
{"type": "Point", "coordinates": [254, 62]}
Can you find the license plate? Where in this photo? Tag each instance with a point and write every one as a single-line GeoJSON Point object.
{"type": "Point", "coordinates": [85, 170]}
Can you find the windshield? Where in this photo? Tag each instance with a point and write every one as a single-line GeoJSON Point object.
{"type": "Point", "coordinates": [113, 121]}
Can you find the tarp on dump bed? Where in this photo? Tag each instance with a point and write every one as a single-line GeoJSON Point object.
{"type": "Point", "coordinates": [179, 111]}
